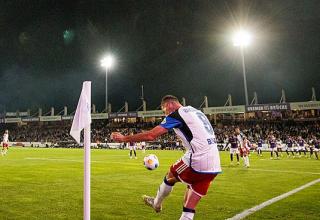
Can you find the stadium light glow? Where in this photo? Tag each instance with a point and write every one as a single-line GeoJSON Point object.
{"type": "Point", "coordinates": [241, 38]}
{"type": "Point", "coordinates": [107, 61]}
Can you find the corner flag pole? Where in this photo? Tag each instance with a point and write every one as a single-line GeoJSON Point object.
{"type": "Point", "coordinates": [87, 161]}
{"type": "Point", "coordinates": [82, 120]}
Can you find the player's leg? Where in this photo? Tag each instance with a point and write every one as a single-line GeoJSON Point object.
{"type": "Point", "coordinates": [311, 152]}
{"type": "Point", "coordinates": [231, 155]}
{"type": "Point", "coordinates": [135, 153]}
{"type": "Point", "coordinates": [271, 154]}
{"type": "Point", "coordinates": [292, 152]}
{"type": "Point", "coordinates": [163, 191]}
{"type": "Point", "coordinates": [295, 152]}
{"type": "Point", "coordinates": [316, 153]}
{"type": "Point", "coordinates": [287, 151]}
{"type": "Point", "coordinates": [4, 149]}
{"type": "Point", "coordinates": [194, 193]}
{"type": "Point", "coordinates": [165, 188]}
{"type": "Point", "coordinates": [238, 158]}
{"type": "Point", "coordinates": [277, 153]}
{"type": "Point", "coordinates": [191, 200]}
{"type": "Point", "coordinates": [245, 158]}
{"type": "Point", "coordinates": [248, 162]}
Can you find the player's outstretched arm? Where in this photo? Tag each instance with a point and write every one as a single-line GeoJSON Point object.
{"type": "Point", "coordinates": [144, 136]}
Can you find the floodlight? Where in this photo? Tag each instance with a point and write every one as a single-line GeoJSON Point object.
{"type": "Point", "coordinates": [107, 61]}
{"type": "Point", "coordinates": [241, 38]}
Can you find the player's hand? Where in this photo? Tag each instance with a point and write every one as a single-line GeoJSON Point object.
{"type": "Point", "coordinates": [117, 136]}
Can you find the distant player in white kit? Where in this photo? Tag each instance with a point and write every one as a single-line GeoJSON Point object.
{"type": "Point", "coordinates": [199, 165]}
{"type": "Point", "coordinates": [244, 147]}
{"type": "Point", "coordinates": [5, 144]}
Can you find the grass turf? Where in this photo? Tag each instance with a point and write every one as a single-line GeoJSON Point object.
{"type": "Point", "coordinates": [48, 183]}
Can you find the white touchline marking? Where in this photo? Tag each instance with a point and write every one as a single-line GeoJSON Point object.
{"type": "Point", "coordinates": [67, 160]}
{"type": "Point", "coordinates": [57, 159]}
{"type": "Point", "coordinates": [247, 212]}
{"type": "Point", "coordinates": [285, 171]}
{"type": "Point", "coordinates": [277, 171]}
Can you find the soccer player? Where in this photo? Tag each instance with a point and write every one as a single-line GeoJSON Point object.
{"type": "Point", "coordinates": [197, 167]}
{"type": "Point", "coordinates": [316, 148]}
{"type": "Point", "coordinates": [234, 148]}
{"type": "Point", "coordinates": [302, 147]}
{"type": "Point", "coordinates": [313, 146]}
{"type": "Point", "coordinates": [244, 147]}
{"type": "Point", "coordinates": [279, 146]}
{"type": "Point", "coordinates": [143, 146]}
{"type": "Point", "coordinates": [5, 144]}
{"type": "Point", "coordinates": [273, 147]}
{"type": "Point", "coordinates": [259, 149]}
{"type": "Point", "coordinates": [289, 144]}
{"type": "Point", "coordinates": [245, 151]}
{"type": "Point", "coordinates": [132, 147]}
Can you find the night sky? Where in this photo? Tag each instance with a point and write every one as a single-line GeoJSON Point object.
{"type": "Point", "coordinates": [184, 48]}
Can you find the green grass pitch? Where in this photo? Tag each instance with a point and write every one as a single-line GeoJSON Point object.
{"type": "Point", "coordinates": [48, 183]}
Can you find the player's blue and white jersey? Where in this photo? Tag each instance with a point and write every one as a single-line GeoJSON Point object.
{"type": "Point", "coordinates": [197, 135]}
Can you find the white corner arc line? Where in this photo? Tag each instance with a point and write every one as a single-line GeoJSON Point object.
{"type": "Point", "coordinates": [285, 171]}
{"type": "Point", "coordinates": [247, 212]}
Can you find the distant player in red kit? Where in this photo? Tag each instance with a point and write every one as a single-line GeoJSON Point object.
{"type": "Point", "coordinates": [5, 144]}
{"type": "Point", "coordinates": [245, 151]}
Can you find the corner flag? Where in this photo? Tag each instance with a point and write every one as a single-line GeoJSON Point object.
{"type": "Point", "coordinates": [82, 117]}
{"type": "Point", "coordinates": [82, 120]}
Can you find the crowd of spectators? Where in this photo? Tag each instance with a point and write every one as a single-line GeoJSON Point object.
{"type": "Point", "coordinates": [262, 130]}
{"type": "Point", "coordinates": [58, 132]}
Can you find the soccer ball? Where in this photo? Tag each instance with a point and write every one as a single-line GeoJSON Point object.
{"type": "Point", "coordinates": [151, 162]}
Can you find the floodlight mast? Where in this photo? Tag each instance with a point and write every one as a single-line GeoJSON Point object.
{"type": "Point", "coordinates": [107, 62]}
{"type": "Point", "coordinates": [242, 39]}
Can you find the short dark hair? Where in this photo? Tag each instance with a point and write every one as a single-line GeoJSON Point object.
{"type": "Point", "coordinates": [167, 98]}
